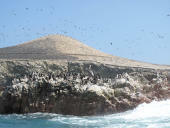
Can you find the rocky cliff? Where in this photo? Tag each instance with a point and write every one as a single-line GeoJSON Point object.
{"type": "Point", "coordinates": [38, 77]}
{"type": "Point", "coordinates": [77, 88]}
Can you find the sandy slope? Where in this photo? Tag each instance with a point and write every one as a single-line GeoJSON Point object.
{"type": "Point", "coordinates": [58, 47]}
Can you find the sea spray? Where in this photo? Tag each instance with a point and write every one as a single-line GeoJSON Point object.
{"type": "Point", "coordinates": [153, 115]}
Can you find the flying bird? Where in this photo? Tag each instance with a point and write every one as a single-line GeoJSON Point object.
{"type": "Point", "coordinates": [160, 36]}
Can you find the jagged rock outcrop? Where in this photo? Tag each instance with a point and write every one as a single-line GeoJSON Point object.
{"type": "Point", "coordinates": [58, 74]}
{"type": "Point", "coordinates": [77, 88]}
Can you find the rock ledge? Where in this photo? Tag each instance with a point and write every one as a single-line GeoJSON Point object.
{"type": "Point", "coordinates": [77, 88]}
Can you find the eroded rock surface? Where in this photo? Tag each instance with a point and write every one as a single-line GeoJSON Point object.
{"type": "Point", "coordinates": [78, 88]}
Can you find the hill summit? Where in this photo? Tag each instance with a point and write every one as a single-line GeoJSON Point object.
{"type": "Point", "coordinates": [51, 47]}
{"type": "Point", "coordinates": [59, 47]}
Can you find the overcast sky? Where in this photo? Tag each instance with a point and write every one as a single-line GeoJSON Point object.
{"type": "Point", "coordinates": [138, 30]}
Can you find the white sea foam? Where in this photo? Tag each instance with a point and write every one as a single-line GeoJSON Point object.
{"type": "Point", "coordinates": [152, 115]}
{"type": "Point", "coordinates": [156, 109]}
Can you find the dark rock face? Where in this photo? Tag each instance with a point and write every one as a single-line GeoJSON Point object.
{"type": "Point", "coordinates": [77, 88]}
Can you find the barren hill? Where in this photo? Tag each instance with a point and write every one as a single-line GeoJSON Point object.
{"type": "Point", "coordinates": [57, 74]}
{"type": "Point", "coordinates": [58, 47]}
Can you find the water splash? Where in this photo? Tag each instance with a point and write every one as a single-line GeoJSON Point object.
{"type": "Point", "coordinates": [153, 110]}
{"type": "Point", "coordinates": [153, 115]}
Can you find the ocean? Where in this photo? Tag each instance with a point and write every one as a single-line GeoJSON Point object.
{"type": "Point", "coordinates": [153, 115]}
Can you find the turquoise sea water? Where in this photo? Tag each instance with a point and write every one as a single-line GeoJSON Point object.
{"type": "Point", "coordinates": [153, 115]}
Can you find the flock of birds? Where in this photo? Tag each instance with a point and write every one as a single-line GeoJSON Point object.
{"type": "Point", "coordinates": [62, 28]}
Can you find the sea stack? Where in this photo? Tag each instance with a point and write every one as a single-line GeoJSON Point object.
{"type": "Point", "coordinates": [58, 74]}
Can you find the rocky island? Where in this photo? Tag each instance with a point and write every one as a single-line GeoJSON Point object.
{"type": "Point", "coordinates": [58, 74]}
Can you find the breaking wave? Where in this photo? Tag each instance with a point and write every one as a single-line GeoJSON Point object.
{"type": "Point", "coordinates": [153, 115]}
